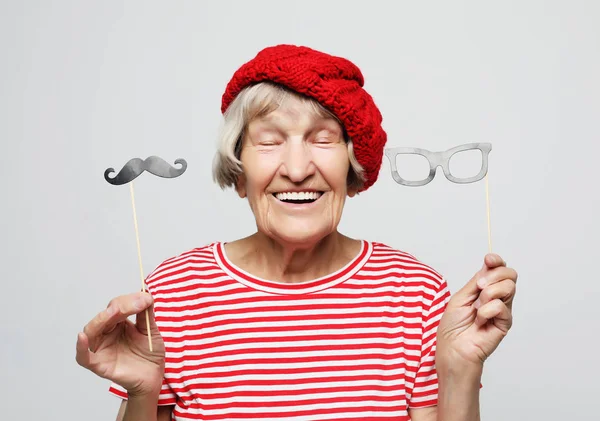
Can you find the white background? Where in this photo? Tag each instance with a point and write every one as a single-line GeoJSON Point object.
{"type": "Point", "coordinates": [88, 85]}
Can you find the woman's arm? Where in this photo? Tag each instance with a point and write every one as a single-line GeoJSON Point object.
{"type": "Point", "coordinates": [458, 397]}
{"type": "Point", "coordinates": [459, 393]}
{"type": "Point", "coordinates": [423, 414]}
{"type": "Point", "coordinates": [163, 413]}
{"type": "Point", "coordinates": [473, 324]}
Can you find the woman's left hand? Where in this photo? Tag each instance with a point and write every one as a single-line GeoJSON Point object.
{"type": "Point", "coordinates": [478, 316]}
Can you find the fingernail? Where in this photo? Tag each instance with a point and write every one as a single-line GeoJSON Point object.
{"type": "Point", "coordinates": [482, 282]}
{"type": "Point", "coordinates": [110, 310]}
{"type": "Point", "coordinates": [477, 304]}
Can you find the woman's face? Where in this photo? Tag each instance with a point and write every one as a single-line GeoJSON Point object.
{"type": "Point", "coordinates": [295, 174]}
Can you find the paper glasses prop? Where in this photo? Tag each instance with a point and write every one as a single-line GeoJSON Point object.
{"type": "Point", "coordinates": [128, 173]}
{"type": "Point", "coordinates": [442, 159]}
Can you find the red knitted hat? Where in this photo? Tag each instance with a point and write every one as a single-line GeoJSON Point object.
{"type": "Point", "coordinates": [334, 82]}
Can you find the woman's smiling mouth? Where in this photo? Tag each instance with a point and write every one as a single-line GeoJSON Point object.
{"type": "Point", "coordinates": [298, 197]}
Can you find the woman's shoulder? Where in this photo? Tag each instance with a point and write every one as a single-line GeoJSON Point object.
{"type": "Point", "coordinates": [200, 252]}
{"type": "Point", "coordinates": [197, 259]}
{"type": "Point", "coordinates": [385, 256]}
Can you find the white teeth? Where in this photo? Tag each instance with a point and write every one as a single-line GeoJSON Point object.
{"type": "Point", "coordinates": [298, 195]}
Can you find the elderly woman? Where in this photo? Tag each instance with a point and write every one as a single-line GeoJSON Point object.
{"type": "Point", "coordinates": [298, 321]}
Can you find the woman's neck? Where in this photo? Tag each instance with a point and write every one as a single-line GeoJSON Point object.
{"type": "Point", "coordinates": [269, 259]}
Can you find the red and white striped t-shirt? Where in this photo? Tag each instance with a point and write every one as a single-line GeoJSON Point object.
{"type": "Point", "coordinates": [358, 344]}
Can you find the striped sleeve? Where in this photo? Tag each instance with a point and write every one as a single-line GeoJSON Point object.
{"type": "Point", "coordinates": [166, 396]}
{"type": "Point", "coordinates": [425, 390]}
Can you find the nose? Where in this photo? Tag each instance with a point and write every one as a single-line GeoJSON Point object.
{"type": "Point", "coordinates": [297, 162]}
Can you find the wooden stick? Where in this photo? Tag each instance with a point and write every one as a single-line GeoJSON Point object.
{"type": "Point", "coordinates": [137, 237]}
{"type": "Point", "coordinates": [487, 199]}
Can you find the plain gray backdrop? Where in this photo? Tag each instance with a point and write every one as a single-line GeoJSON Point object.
{"type": "Point", "coordinates": [87, 85]}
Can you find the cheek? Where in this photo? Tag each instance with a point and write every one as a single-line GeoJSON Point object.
{"type": "Point", "coordinates": [255, 184]}
{"type": "Point", "coordinates": [334, 167]}
{"type": "Point", "coordinates": [259, 173]}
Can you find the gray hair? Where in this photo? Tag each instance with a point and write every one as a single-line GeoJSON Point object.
{"type": "Point", "coordinates": [254, 102]}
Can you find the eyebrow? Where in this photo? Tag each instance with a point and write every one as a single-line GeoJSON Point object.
{"type": "Point", "coordinates": [326, 123]}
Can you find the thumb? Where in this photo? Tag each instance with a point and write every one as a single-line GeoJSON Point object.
{"type": "Point", "coordinates": [146, 315]}
{"type": "Point", "coordinates": [469, 292]}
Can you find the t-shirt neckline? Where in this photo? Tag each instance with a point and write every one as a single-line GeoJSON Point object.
{"type": "Point", "coordinates": [307, 287]}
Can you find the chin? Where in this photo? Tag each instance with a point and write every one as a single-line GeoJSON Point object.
{"type": "Point", "coordinates": [298, 236]}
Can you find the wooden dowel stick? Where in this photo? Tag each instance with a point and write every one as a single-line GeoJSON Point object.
{"type": "Point", "coordinates": [137, 237]}
{"type": "Point", "coordinates": [487, 200]}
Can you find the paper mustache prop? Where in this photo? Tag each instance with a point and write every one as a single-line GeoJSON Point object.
{"type": "Point", "coordinates": [153, 165]}
{"type": "Point", "coordinates": [442, 159]}
{"type": "Point", "coordinates": [129, 172]}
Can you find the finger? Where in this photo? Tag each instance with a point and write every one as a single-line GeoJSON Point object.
{"type": "Point", "coordinates": [503, 290]}
{"type": "Point", "coordinates": [498, 274]}
{"type": "Point", "coordinates": [469, 293]}
{"type": "Point", "coordinates": [497, 311]}
{"type": "Point", "coordinates": [118, 310]}
{"type": "Point", "coordinates": [83, 353]}
{"type": "Point", "coordinates": [493, 260]}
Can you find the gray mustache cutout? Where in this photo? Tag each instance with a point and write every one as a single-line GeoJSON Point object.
{"type": "Point", "coordinates": [439, 159]}
{"type": "Point", "coordinates": [137, 166]}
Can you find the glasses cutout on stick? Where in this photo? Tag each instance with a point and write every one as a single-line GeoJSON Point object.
{"type": "Point", "coordinates": [444, 159]}
{"type": "Point", "coordinates": [440, 159]}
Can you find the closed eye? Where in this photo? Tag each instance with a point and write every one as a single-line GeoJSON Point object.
{"type": "Point", "coordinates": [269, 142]}
{"type": "Point", "coordinates": [326, 137]}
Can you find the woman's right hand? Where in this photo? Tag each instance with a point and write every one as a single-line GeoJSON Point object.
{"type": "Point", "coordinates": [117, 349]}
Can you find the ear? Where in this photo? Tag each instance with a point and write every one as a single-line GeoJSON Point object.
{"type": "Point", "coordinates": [351, 187]}
{"type": "Point", "coordinates": [240, 185]}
